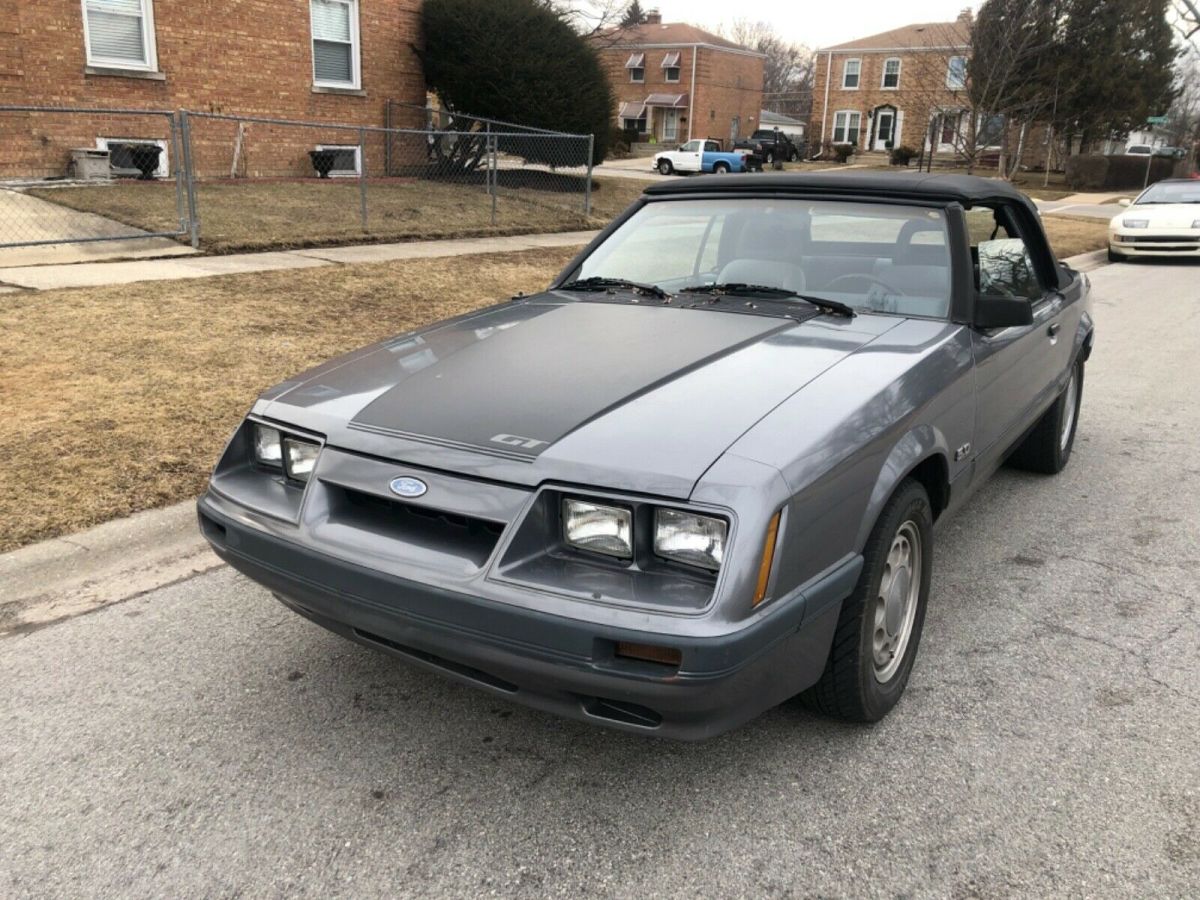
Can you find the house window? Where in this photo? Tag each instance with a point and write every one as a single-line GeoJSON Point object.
{"type": "Point", "coordinates": [891, 74]}
{"type": "Point", "coordinates": [345, 160]}
{"type": "Point", "coordinates": [636, 64]}
{"type": "Point", "coordinates": [956, 73]}
{"type": "Point", "coordinates": [335, 43]}
{"type": "Point", "coordinates": [122, 155]}
{"type": "Point", "coordinates": [119, 34]}
{"type": "Point", "coordinates": [850, 73]}
{"type": "Point", "coordinates": [670, 65]}
{"type": "Point", "coordinates": [845, 127]}
{"type": "Point", "coordinates": [638, 125]}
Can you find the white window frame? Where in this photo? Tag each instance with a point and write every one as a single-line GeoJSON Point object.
{"type": "Point", "coordinates": [951, 84]}
{"type": "Point", "coordinates": [637, 74]}
{"type": "Point", "coordinates": [667, 74]}
{"type": "Point", "coordinates": [849, 114]}
{"type": "Point", "coordinates": [344, 173]}
{"type": "Point", "coordinates": [148, 42]}
{"type": "Point", "coordinates": [846, 74]}
{"type": "Point", "coordinates": [355, 50]}
{"type": "Point", "coordinates": [883, 85]}
{"type": "Point", "coordinates": [164, 162]}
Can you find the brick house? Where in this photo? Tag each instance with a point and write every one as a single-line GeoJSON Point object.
{"type": "Point", "coordinates": [897, 87]}
{"type": "Point", "coordinates": [320, 60]}
{"type": "Point", "coordinates": [672, 82]}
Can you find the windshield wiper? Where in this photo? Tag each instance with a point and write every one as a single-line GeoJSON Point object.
{"type": "Point", "coordinates": [740, 289]}
{"type": "Point", "coordinates": [599, 283]}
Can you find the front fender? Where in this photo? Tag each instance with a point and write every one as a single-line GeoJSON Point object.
{"type": "Point", "coordinates": [919, 444]}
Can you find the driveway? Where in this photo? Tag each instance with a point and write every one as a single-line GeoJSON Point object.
{"type": "Point", "coordinates": [201, 741]}
{"type": "Point", "coordinates": [24, 218]}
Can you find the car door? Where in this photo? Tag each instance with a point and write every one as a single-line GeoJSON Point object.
{"type": "Point", "coordinates": [688, 157]}
{"type": "Point", "coordinates": [1017, 368]}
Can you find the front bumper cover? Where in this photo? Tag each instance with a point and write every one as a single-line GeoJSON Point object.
{"type": "Point", "coordinates": [565, 666]}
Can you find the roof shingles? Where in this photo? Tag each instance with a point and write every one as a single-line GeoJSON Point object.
{"type": "Point", "coordinates": [920, 36]}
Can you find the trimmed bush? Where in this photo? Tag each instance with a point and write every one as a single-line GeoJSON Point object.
{"type": "Point", "coordinates": [1096, 172]}
{"type": "Point", "coordinates": [902, 155]}
{"type": "Point", "coordinates": [843, 152]}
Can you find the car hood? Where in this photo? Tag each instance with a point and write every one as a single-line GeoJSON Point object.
{"type": "Point", "coordinates": [1161, 215]}
{"type": "Point", "coordinates": [632, 396]}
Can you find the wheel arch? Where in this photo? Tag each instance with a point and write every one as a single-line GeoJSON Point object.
{"type": "Point", "coordinates": [922, 454]}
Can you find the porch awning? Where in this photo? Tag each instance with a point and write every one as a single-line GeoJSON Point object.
{"type": "Point", "coordinates": [671, 101]}
{"type": "Point", "coordinates": [671, 60]}
{"type": "Point", "coordinates": [631, 110]}
{"type": "Point", "coordinates": [636, 61]}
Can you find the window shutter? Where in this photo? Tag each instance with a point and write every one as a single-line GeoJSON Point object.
{"type": "Point", "coordinates": [115, 30]}
{"type": "Point", "coordinates": [332, 47]}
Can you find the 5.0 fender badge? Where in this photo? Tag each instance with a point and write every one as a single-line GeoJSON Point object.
{"type": "Point", "coordinates": [406, 486]}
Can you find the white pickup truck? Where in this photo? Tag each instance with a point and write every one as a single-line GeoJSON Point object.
{"type": "Point", "coordinates": [705, 156]}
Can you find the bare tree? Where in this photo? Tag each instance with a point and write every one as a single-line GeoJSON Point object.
{"type": "Point", "coordinates": [589, 17]}
{"type": "Point", "coordinates": [1187, 20]}
{"type": "Point", "coordinates": [787, 69]}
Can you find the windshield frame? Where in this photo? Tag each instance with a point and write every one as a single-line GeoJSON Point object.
{"type": "Point", "coordinates": [958, 241]}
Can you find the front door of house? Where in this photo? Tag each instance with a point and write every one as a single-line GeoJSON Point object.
{"type": "Point", "coordinates": [885, 128]}
{"type": "Point", "coordinates": [670, 125]}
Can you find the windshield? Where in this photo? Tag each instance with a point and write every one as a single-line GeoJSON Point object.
{"type": "Point", "coordinates": [870, 256]}
{"type": "Point", "coordinates": [1171, 192]}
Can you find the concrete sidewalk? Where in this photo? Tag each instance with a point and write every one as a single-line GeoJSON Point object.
{"type": "Point", "coordinates": [44, 278]}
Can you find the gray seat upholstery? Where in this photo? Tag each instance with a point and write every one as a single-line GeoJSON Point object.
{"type": "Point", "coordinates": [767, 253]}
{"type": "Point", "coordinates": [773, 273]}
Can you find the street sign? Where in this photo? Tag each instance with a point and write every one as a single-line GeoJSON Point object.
{"type": "Point", "coordinates": [1156, 120]}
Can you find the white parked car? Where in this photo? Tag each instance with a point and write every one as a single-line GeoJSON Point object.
{"type": "Point", "coordinates": [1139, 150]}
{"type": "Point", "coordinates": [1164, 220]}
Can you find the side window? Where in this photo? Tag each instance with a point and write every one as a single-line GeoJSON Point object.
{"type": "Point", "coordinates": [1001, 259]}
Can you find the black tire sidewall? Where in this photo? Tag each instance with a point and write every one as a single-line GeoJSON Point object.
{"type": "Point", "coordinates": [1064, 453]}
{"type": "Point", "coordinates": [665, 167]}
{"type": "Point", "coordinates": [911, 502]}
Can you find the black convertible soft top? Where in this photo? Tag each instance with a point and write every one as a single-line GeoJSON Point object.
{"type": "Point", "coordinates": [965, 189]}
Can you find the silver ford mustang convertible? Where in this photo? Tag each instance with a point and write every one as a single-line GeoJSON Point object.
{"type": "Point", "coordinates": [697, 476]}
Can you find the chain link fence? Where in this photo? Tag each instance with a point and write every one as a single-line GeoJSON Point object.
{"type": "Point", "coordinates": [58, 165]}
{"type": "Point", "coordinates": [228, 182]}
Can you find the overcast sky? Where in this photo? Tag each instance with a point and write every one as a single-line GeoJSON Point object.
{"type": "Point", "coordinates": [817, 24]}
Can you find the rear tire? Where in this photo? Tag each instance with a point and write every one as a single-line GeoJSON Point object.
{"type": "Point", "coordinates": [721, 168]}
{"type": "Point", "coordinates": [1047, 449]}
{"type": "Point", "coordinates": [880, 624]}
{"type": "Point", "coordinates": [665, 167]}
{"type": "Point", "coordinates": [769, 159]}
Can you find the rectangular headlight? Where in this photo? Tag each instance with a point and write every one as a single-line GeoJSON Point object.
{"type": "Point", "coordinates": [300, 457]}
{"type": "Point", "coordinates": [598, 528]}
{"type": "Point", "coordinates": [267, 448]}
{"type": "Point", "coordinates": [1136, 223]}
{"type": "Point", "coordinates": [688, 538]}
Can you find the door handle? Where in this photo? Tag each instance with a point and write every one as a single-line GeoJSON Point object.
{"type": "Point", "coordinates": [1054, 329]}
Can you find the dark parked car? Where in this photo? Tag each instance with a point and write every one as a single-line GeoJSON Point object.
{"type": "Point", "coordinates": [696, 476]}
{"type": "Point", "coordinates": [769, 145]}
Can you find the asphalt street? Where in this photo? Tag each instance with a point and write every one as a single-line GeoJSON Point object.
{"type": "Point", "coordinates": [202, 741]}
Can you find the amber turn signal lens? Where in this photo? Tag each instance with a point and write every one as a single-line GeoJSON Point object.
{"type": "Point", "coordinates": [768, 557]}
{"type": "Point", "coordinates": [667, 656]}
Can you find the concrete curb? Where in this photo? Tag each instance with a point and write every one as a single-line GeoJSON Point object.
{"type": "Point", "coordinates": [68, 576]}
{"type": "Point", "coordinates": [1086, 262]}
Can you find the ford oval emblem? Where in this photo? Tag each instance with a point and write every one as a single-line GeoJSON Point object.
{"type": "Point", "coordinates": [408, 487]}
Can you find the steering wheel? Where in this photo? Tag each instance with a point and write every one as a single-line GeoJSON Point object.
{"type": "Point", "coordinates": [870, 279]}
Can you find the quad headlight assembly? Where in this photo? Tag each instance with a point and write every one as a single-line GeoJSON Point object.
{"type": "Point", "coordinates": [295, 456]}
{"type": "Point", "coordinates": [678, 536]}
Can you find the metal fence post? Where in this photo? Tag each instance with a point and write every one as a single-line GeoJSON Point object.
{"type": "Point", "coordinates": [180, 214]}
{"type": "Point", "coordinates": [362, 174]}
{"type": "Point", "coordinates": [587, 188]}
{"type": "Point", "coordinates": [189, 171]}
{"type": "Point", "coordinates": [492, 177]}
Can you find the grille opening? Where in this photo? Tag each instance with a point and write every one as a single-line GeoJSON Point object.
{"type": "Point", "coordinates": [621, 711]}
{"type": "Point", "coordinates": [434, 529]}
{"type": "Point", "coordinates": [442, 663]}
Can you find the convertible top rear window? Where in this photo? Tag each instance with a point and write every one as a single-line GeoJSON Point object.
{"type": "Point", "coordinates": [875, 257]}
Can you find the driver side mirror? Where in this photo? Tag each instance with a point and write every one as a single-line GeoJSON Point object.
{"type": "Point", "coordinates": [1124, 201]}
{"type": "Point", "coordinates": [999, 311]}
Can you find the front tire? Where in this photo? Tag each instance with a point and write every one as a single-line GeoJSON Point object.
{"type": "Point", "coordinates": [665, 167]}
{"type": "Point", "coordinates": [1047, 449]}
{"type": "Point", "coordinates": [880, 624]}
{"type": "Point", "coordinates": [1114, 257]}
{"type": "Point", "coordinates": [769, 159]}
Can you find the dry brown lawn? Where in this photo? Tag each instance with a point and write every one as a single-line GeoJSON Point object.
{"type": "Point", "coordinates": [271, 215]}
{"type": "Point", "coordinates": [119, 399]}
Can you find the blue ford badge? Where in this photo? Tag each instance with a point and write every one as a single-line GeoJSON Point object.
{"type": "Point", "coordinates": [408, 487]}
